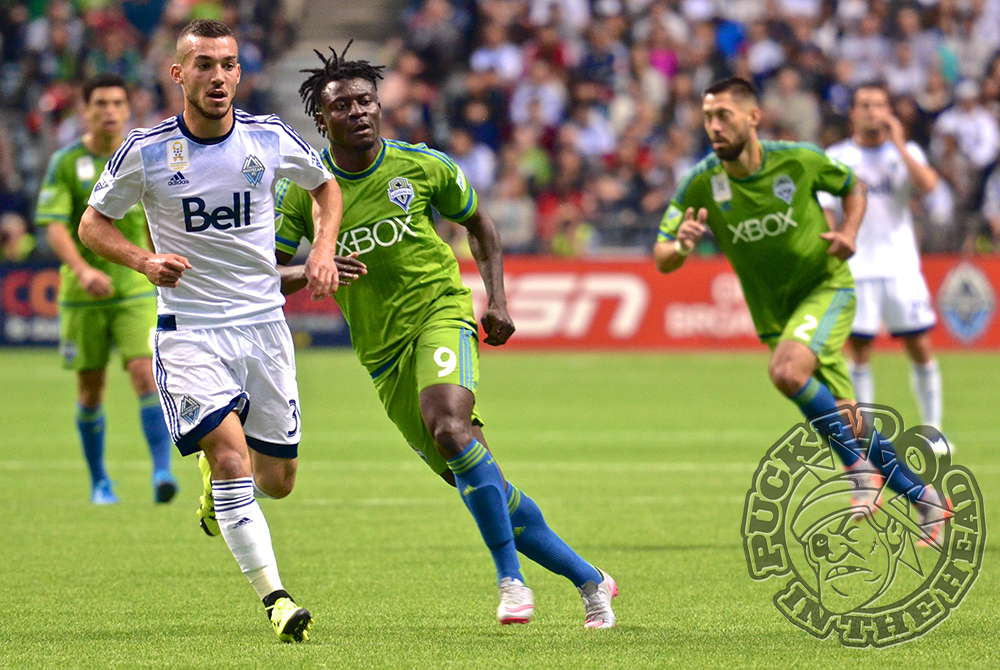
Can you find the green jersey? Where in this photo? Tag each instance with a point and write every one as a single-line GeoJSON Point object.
{"type": "Point", "coordinates": [769, 225]}
{"type": "Point", "coordinates": [63, 199]}
{"type": "Point", "coordinates": [413, 276]}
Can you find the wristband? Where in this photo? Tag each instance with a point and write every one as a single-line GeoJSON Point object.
{"type": "Point", "coordinates": [682, 250]}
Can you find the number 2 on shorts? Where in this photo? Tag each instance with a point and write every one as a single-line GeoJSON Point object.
{"type": "Point", "coordinates": [810, 323]}
{"type": "Point", "coordinates": [447, 359]}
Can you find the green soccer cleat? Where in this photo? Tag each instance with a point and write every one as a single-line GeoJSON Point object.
{"type": "Point", "coordinates": [206, 510]}
{"type": "Point", "coordinates": [290, 622]}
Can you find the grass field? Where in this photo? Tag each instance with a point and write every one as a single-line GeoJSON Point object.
{"type": "Point", "coordinates": [641, 462]}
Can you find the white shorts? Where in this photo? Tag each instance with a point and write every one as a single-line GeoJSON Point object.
{"type": "Point", "coordinates": [204, 374]}
{"type": "Point", "coordinates": [903, 304]}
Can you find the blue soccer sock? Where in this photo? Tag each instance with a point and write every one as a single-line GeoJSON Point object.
{"type": "Point", "coordinates": [815, 399]}
{"type": "Point", "coordinates": [155, 429]}
{"type": "Point", "coordinates": [90, 423]}
{"type": "Point", "coordinates": [535, 539]}
{"type": "Point", "coordinates": [480, 484]}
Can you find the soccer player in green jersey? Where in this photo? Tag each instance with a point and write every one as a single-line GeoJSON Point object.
{"type": "Point", "coordinates": [102, 304]}
{"type": "Point", "coordinates": [759, 200]}
{"type": "Point", "coordinates": [411, 319]}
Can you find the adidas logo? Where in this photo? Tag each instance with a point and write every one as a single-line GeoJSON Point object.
{"type": "Point", "coordinates": [242, 522]}
{"type": "Point", "coordinates": [177, 180]}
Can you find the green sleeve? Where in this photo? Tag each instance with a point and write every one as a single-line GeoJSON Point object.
{"type": "Point", "coordinates": [292, 216]}
{"type": "Point", "coordinates": [832, 176]}
{"type": "Point", "coordinates": [451, 194]}
{"type": "Point", "coordinates": [671, 221]}
{"type": "Point", "coordinates": [55, 199]}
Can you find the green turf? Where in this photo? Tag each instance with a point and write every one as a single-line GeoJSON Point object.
{"type": "Point", "coordinates": [641, 462]}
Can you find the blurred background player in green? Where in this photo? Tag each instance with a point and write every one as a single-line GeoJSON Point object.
{"type": "Point", "coordinates": [759, 200]}
{"type": "Point", "coordinates": [102, 304]}
{"type": "Point", "coordinates": [412, 323]}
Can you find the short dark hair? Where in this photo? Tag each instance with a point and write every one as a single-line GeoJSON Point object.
{"type": "Point", "coordinates": [107, 80]}
{"type": "Point", "coordinates": [335, 68]}
{"type": "Point", "coordinates": [872, 85]}
{"type": "Point", "coordinates": [205, 28]}
{"type": "Point", "coordinates": [738, 87]}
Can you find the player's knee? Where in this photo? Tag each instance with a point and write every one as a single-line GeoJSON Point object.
{"type": "Point", "coordinates": [788, 377]}
{"type": "Point", "coordinates": [278, 487]}
{"type": "Point", "coordinates": [451, 433]}
{"type": "Point", "coordinates": [141, 373]}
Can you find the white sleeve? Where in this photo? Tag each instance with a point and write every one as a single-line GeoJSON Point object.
{"type": "Point", "coordinates": [123, 181]}
{"type": "Point", "coordinates": [298, 161]}
{"type": "Point", "coordinates": [918, 154]}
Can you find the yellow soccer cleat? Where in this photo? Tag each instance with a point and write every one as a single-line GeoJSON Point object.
{"type": "Point", "coordinates": [290, 622]}
{"type": "Point", "coordinates": [206, 510]}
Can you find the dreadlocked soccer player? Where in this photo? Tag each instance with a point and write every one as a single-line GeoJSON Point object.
{"type": "Point", "coordinates": [412, 323]}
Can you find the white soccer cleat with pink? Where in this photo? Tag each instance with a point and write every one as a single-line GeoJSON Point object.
{"type": "Point", "coordinates": [597, 601]}
{"type": "Point", "coordinates": [517, 602]}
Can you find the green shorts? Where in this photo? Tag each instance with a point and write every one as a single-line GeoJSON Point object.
{"type": "Point", "coordinates": [823, 322]}
{"type": "Point", "coordinates": [86, 334]}
{"type": "Point", "coordinates": [444, 352]}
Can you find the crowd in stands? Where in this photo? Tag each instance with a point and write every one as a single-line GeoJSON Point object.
{"type": "Point", "coordinates": [574, 119]}
{"type": "Point", "coordinates": [49, 47]}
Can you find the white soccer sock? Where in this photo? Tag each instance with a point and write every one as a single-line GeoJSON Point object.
{"type": "Point", "coordinates": [863, 381]}
{"type": "Point", "coordinates": [926, 382]}
{"type": "Point", "coordinates": [245, 531]}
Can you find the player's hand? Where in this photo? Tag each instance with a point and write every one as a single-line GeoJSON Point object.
{"type": "Point", "coordinates": [842, 245]}
{"type": "Point", "coordinates": [96, 283]}
{"type": "Point", "coordinates": [692, 229]}
{"type": "Point", "coordinates": [897, 135]}
{"type": "Point", "coordinates": [349, 268]}
{"type": "Point", "coordinates": [497, 325]}
{"type": "Point", "coordinates": [165, 269]}
{"type": "Point", "coordinates": [322, 278]}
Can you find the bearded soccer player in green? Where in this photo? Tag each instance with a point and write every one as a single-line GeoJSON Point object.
{"type": "Point", "coordinates": [411, 319]}
{"type": "Point", "coordinates": [102, 304]}
{"type": "Point", "coordinates": [759, 200]}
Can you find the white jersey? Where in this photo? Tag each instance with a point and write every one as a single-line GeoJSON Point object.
{"type": "Point", "coordinates": [886, 245]}
{"type": "Point", "coordinates": [212, 202]}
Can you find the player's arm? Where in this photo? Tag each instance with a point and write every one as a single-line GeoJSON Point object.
{"type": "Point", "coordinates": [55, 205]}
{"type": "Point", "coordinates": [96, 283]}
{"type": "Point", "coordinates": [99, 234]}
{"type": "Point", "coordinates": [843, 240]}
{"type": "Point", "coordinates": [484, 241]}
{"type": "Point", "coordinates": [669, 254]}
{"type": "Point", "coordinates": [922, 174]}
{"type": "Point", "coordinates": [320, 267]}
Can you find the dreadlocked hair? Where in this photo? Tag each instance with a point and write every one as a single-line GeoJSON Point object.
{"type": "Point", "coordinates": [335, 68]}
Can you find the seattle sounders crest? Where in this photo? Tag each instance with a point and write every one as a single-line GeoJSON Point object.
{"type": "Point", "coordinates": [401, 193]}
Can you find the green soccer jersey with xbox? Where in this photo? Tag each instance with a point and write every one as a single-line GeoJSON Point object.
{"type": "Point", "coordinates": [63, 199]}
{"type": "Point", "coordinates": [413, 276]}
{"type": "Point", "coordinates": [769, 225]}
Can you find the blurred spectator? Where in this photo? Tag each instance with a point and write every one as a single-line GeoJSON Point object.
{"type": "Point", "coordinates": [543, 90]}
{"type": "Point", "coordinates": [866, 49]}
{"type": "Point", "coordinates": [787, 105]}
{"type": "Point", "coordinates": [498, 56]}
{"type": "Point", "coordinates": [435, 37]}
{"type": "Point", "coordinates": [764, 55]}
{"type": "Point", "coordinates": [991, 208]}
{"type": "Point", "coordinates": [903, 74]}
{"type": "Point", "coordinates": [16, 243]}
{"type": "Point", "coordinates": [976, 131]}
{"type": "Point", "coordinates": [476, 160]}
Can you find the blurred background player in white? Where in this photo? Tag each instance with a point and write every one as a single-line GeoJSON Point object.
{"type": "Point", "coordinates": [890, 287]}
{"type": "Point", "coordinates": [102, 304]}
{"type": "Point", "coordinates": [225, 365]}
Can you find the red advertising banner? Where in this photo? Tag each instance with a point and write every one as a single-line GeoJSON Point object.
{"type": "Point", "coordinates": [626, 304]}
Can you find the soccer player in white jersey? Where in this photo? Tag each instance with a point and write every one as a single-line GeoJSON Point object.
{"type": "Point", "coordinates": [224, 363]}
{"type": "Point", "coordinates": [890, 288]}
